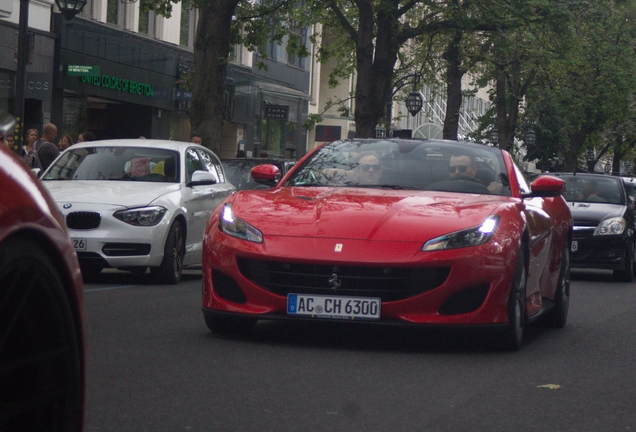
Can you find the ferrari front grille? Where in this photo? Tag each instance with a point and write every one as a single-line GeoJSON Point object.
{"type": "Point", "coordinates": [83, 220]}
{"type": "Point", "coordinates": [387, 283]}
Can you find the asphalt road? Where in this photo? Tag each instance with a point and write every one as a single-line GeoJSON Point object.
{"type": "Point", "coordinates": [154, 366]}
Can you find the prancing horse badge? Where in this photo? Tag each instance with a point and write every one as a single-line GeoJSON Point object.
{"type": "Point", "coordinates": [338, 247]}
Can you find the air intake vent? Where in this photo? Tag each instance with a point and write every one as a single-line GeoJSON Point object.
{"type": "Point", "coordinates": [83, 220]}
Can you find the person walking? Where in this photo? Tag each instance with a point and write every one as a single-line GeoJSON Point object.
{"type": "Point", "coordinates": [47, 151]}
{"type": "Point", "coordinates": [31, 138]}
{"type": "Point", "coordinates": [86, 136]}
{"type": "Point", "coordinates": [10, 141]}
{"type": "Point", "coordinates": [65, 142]}
{"type": "Point", "coordinates": [196, 138]}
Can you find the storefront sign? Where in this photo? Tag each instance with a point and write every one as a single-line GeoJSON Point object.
{"type": "Point", "coordinates": [276, 112]}
{"type": "Point", "coordinates": [124, 85]}
{"type": "Point", "coordinates": [183, 95]}
{"type": "Point", "coordinates": [39, 85]}
{"type": "Point", "coordinates": [82, 70]}
{"type": "Point", "coordinates": [328, 133]}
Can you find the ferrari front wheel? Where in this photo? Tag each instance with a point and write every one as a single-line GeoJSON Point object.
{"type": "Point", "coordinates": [514, 332]}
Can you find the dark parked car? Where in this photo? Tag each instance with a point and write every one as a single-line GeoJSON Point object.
{"type": "Point", "coordinates": [238, 170]}
{"type": "Point", "coordinates": [603, 217]}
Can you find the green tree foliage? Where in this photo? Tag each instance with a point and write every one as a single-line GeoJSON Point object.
{"type": "Point", "coordinates": [584, 96]}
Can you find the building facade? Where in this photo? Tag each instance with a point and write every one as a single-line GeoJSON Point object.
{"type": "Point", "coordinates": [120, 73]}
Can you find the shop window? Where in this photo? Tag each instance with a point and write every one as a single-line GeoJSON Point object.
{"type": "Point", "coordinates": [188, 26]}
{"type": "Point", "coordinates": [116, 12]}
{"type": "Point", "coordinates": [273, 138]}
{"type": "Point", "coordinates": [147, 23]}
{"type": "Point", "coordinates": [87, 10]}
{"type": "Point", "coordinates": [112, 11]}
{"type": "Point", "coordinates": [301, 35]}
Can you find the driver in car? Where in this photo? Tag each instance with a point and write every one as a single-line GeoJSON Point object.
{"type": "Point", "coordinates": [369, 170]}
{"type": "Point", "coordinates": [462, 170]}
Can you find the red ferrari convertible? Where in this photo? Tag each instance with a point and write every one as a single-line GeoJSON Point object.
{"type": "Point", "coordinates": [393, 231]}
{"type": "Point", "coordinates": [42, 335]}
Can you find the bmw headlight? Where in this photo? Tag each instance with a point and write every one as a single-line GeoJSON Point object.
{"type": "Point", "coordinates": [611, 226]}
{"type": "Point", "coordinates": [465, 238]}
{"type": "Point", "coordinates": [145, 216]}
{"type": "Point", "coordinates": [231, 225]}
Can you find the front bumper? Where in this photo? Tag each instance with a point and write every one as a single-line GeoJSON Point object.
{"type": "Point", "coordinates": [471, 289]}
{"type": "Point", "coordinates": [599, 252]}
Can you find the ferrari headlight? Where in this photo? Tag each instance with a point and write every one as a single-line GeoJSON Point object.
{"type": "Point", "coordinates": [465, 238]}
{"type": "Point", "coordinates": [146, 216]}
{"type": "Point", "coordinates": [231, 225]}
{"type": "Point", "coordinates": [611, 226]}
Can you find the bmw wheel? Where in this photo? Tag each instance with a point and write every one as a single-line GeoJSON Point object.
{"type": "Point", "coordinates": [169, 272]}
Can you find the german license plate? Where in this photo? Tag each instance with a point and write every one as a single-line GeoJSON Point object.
{"type": "Point", "coordinates": [335, 307]}
{"type": "Point", "coordinates": [575, 246]}
{"type": "Point", "coordinates": [79, 244]}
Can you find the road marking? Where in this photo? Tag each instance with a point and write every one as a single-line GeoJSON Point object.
{"type": "Point", "coordinates": [111, 288]}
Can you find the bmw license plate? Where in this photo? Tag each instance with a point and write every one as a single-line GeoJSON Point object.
{"type": "Point", "coordinates": [79, 244]}
{"type": "Point", "coordinates": [335, 307]}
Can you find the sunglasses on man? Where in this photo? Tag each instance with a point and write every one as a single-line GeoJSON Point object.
{"type": "Point", "coordinates": [367, 167]}
{"type": "Point", "coordinates": [454, 168]}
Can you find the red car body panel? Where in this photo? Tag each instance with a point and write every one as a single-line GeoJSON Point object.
{"type": "Point", "coordinates": [387, 228]}
{"type": "Point", "coordinates": [27, 210]}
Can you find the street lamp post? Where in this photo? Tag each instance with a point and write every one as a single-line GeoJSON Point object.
{"type": "Point", "coordinates": [494, 136]}
{"type": "Point", "coordinates": [414, 102]}
{"type": "Point", "coordinates": [590, 159]}
{"type": "Point", "coordinates": [530, 138]}
{"type": "Point", "coordinates": [68, 8]}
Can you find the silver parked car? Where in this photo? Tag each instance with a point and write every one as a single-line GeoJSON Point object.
{"type": "Point", "coordinates": [134, 204]}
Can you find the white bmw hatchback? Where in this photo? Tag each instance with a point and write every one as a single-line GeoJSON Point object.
{"type": "Point", "coordinates": [134, 204]}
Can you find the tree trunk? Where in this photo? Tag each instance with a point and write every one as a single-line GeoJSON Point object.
{"type": "Point", "coordinates": [211, 54]}
{"type": "Point", "coordinates": [454, 74]}
{"type": "Point", "coordinates": [375, 59]}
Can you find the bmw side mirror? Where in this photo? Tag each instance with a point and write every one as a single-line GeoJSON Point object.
{"type": "Point", "coordinates": [201, 178]}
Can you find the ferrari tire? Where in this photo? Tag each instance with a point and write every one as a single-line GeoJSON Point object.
{"type": "Point", "coordinates": [627, 274]}
{"type": "Point", "coordinates": [171, 268]}
{"type": "Point", "coordinates": [40, 361]}
{"type": "Point", "coordinates": [558, 315]}
{"type": "Point", "coordinates": [223, 324]}
{"type": "Point", "coordinates": [513, 334]}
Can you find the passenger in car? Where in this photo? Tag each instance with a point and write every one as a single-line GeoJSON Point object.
{"type": "Point", "coordinates": [589, 192]}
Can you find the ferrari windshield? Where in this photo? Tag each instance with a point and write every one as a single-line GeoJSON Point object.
{"type": "Point", "coordinates": [406, 164]}
{"type": "Point", "coordinates": [116, 163]}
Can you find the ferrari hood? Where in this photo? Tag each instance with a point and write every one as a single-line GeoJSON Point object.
{"type": "Point", "coordinates": [368, 214]}
{"type": "Point", "coordinates": [123, 193]}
